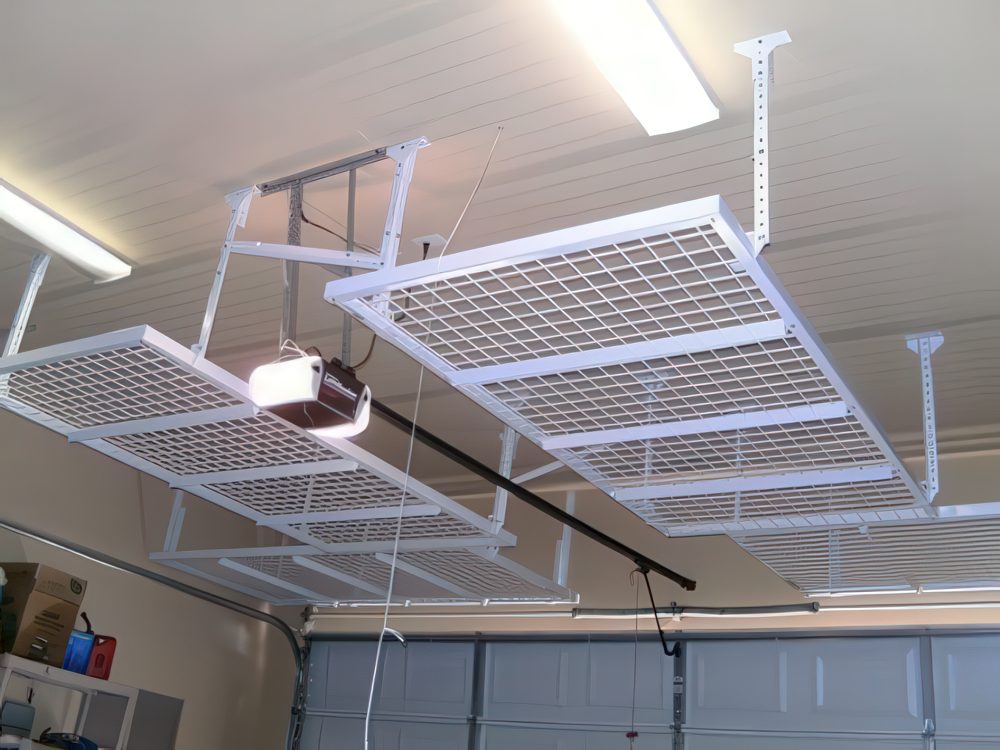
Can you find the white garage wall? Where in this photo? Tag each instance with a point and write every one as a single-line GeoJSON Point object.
{"type": "Point", "coordinates": [850, 693]}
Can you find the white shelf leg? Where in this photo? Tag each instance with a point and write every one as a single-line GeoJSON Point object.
{"type": "Point", "coordinates": [924, 345]}
{"type": "Point", "coordinates": [760, 51]}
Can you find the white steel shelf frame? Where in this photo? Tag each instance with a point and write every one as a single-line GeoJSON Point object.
{"type": "Point", "coordinates": [861, 553]}
{"type": "Point", "coordinates": [145, 400]}
{"type": "Point", "coordinates": [622, 306]}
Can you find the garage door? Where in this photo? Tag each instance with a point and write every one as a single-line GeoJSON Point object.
{"type": "Point", "coordinates": [757, 694]}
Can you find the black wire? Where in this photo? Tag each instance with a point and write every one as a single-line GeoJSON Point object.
{"type": "Point", "coordinates": [338, 235]}
{"type": "Point", "coordinates": [368, 356]}
{"type": "Point", "coordinates": [663, 639]}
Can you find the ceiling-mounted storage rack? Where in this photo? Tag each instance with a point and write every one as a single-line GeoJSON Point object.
{"type": "Point", "coordinates": [145, 400]}
{"type": "Point", "coordinates": [658, 356]}
{"type": "Point", "coordinates": [955, 550]}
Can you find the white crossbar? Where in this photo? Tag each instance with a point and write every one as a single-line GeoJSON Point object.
{"type": "Point", "coordinates": [317, 255]}
{"type": "Point", "coordinates": [355, 514]}
{"type": "Point", "coordinates": [306, 562]}
{"type": "Point", "coordinates": [435, 580]}
{"type": "Point", "coordinates": [670, 346]}
{"type": "Point", "coordinates": [158, 424]}
{"type": "Point", "coordinates": [304, 469]}
{"type": "Point", "coordinates": [724, 423]}
{"type": "Point", "coordinates": [246, 570]}
{"type": "Point", "coordinates": [755, 483]}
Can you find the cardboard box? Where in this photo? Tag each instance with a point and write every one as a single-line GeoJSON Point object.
{"type": "Point", "coordinates": [45, 603]}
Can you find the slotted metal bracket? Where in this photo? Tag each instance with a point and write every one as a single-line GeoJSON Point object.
{"type": "Point", "coordinates": [508, 447]}
{"type": "Point", "coordinates": [404, 154]}
{"type": "Point", "coordinates": [924, 345]}
{"type": "Point", "coordinates": [760, 51]}
{"type": "Point", "coordinates": [36, 274]}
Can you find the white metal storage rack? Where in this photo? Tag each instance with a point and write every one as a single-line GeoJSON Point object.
{"type": "Point", "coordinates": [658, 356]}
{"type": "Point", "coordinates": [143, 399]}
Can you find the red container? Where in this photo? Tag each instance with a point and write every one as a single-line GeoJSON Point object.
{"type": "Point", "coordinates": [101, 657]}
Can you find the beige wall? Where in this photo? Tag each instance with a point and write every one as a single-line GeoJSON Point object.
{"type": "Point", "coordinates": [233, 673]}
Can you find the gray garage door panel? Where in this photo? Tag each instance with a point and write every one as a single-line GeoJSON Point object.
{"type": "Point", "coordinates": [737, 742]}
{"type": "Point", "coordinates": [523, 738]}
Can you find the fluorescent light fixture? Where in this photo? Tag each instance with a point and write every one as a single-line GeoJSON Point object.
{"type": "Point", "coordinates": [875, 591]}
{"type": "Point", "coordinates": [60, 236]}
{"type": "Point", "coordinates": [634, 49]}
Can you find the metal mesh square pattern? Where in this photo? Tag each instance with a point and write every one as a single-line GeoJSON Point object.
{"type": "Point", "coordinates": [917, 554]}
{"type": "Point", "coordinates": [115, 386]}
{"type": "Point", "coordinates": [223, 446]}
{"type": "Point", "coordinates": [345, 490]}
{"type": "Point", "coordinates": [804, 445]}
{"type": "Point", "coordinates": [367, 568]}
{"type": "Point", "coordinates": [475, 574]}
{"type": "Point", "coordinates": [650, 287]}
{"type": "Point", "coordinates": [664, 513]}
{"type": "Point", "coordinates": [754, 377]}
{"type": "Point", "coordinates": [384, 529]}
{"type": "Point", "coordinates": [278, 567]}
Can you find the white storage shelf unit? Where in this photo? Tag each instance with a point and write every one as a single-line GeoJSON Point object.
{"type": "Point", "coordinates": [658, 356]}
{"type": "Point", "coordinates": [14, 667]}
{"type": "Point", "coordinates": [145, 400]}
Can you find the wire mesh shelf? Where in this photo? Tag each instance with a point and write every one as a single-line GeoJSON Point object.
{"type": "Point", "coordinates": [652, 353]}
{"type": "Point", "coordinates": [143, 399]}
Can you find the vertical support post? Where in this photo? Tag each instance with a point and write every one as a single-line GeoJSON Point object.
{"type": "Point", "coordinates": [175, 524]}
{"type": "Point", "coordinates": [680, 674]}
{"type": "Point", "coordinates": [508, 447]}
{"type": "Point", "coordinates": [561, 572]}
{"type": "Point", "coordinates": [18, 326]}
{"type": "Point", "coordinates": [404, 154]}
{"type": "Point", "coordinates": [924, 345]}
{"type": "Point", "coordinates": [239, 205]}
{"type": "Point", "coordinates": [290, 269]}
{"type": "Point", "coordinates": [759, 50]}
{"type": "Point", "coordinates": [835, 573]}
{"type": "Point", "coordinates": [927, 692]}
{"type": "Point", "coordinates": [81, 716]}
{"type": "Point", "coordinates": [345, 334]}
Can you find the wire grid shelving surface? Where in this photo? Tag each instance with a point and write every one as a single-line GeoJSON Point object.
{"type": "Point", "coordinates": [423, 577]}
{"type": "Point", "coordinates": [646, 352]}
{"type": "Point", "coordinates": [145, 400]}
{"type": "Point", "coordinates": [882, 556]}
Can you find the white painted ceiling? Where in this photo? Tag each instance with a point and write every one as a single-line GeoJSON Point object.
{"type": "Point", "coordinates": [134, 120]}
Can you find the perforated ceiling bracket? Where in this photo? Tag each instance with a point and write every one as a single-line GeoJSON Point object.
{"type": "Point", "coordinates": [760, 51]}
{"type": "Point", "coordinates": [924, 345]}
{"type": "Point", "coordinates": [405, 156]}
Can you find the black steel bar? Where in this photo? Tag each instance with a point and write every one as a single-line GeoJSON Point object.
{"type": "Point", "coordinates": [322, 171]}
{"type": "Point", "coordinates": [535, 501]}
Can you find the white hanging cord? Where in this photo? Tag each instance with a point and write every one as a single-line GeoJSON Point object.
{"type": "Point", "coordinates": [392, 568]}
{"type": "Point", "coordinates": [472, 196]}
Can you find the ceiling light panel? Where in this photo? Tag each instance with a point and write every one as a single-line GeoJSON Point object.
{"type": "Point", "coordinates": [59, 236]}
{"type": "Point", "coordinates": [631, 45]}
{"type": "Point", "coordinates": [655, 354]}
